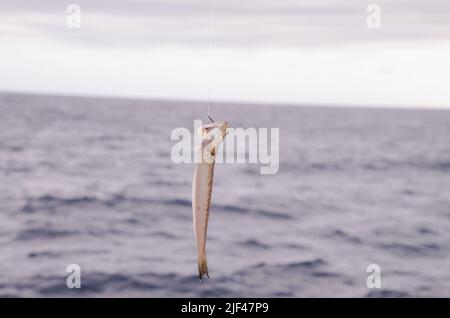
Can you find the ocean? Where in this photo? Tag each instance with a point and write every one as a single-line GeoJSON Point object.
{"type": "Point", "coordinates": [90, 181]}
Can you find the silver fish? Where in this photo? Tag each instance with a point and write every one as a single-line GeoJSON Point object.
{"type": "Point", "coordinates": [212, 136]}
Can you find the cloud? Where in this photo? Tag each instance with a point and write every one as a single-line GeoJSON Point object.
{"type": "Point", "coordinates": [316, 51]}
{"type": "Point", "coordinates": [250, 23]}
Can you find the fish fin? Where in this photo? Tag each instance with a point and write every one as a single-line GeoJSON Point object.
{"type": "Point", "coordinates": [202, 267]}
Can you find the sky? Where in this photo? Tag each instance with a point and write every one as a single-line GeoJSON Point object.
{"type": "Point", "coordinates": [271, 51]}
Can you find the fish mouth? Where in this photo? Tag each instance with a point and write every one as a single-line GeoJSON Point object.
{"type": "Point", "coordinates": [222, 126]}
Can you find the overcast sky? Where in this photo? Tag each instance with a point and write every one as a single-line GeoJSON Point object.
{"type": "Point", "coordinates": [309, 51]}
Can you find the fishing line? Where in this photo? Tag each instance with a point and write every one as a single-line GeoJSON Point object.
{"type": "Point", "coordinates": [210, 47]}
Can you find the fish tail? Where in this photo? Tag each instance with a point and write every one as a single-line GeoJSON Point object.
{"type": "Point", "coordinates": [202, 267]}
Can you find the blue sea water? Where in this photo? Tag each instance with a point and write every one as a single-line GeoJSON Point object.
{"type": "Point", "coordinates": [90, 181]}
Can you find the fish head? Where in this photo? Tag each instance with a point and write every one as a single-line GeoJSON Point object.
{"type": "Point", "coordinates": [213, 135]}
{"type": "Point", "coordinates": [218, 128]}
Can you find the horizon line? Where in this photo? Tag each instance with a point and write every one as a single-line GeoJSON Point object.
{"type": "Point", "coordinates": [230, 102]}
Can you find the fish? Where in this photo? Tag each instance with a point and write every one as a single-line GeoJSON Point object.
{"type": "Point", "coordinates": [202, 185]}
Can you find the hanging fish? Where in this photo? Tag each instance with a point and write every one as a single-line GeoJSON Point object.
{"type": "Point", "coordinates": [212, 136]}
